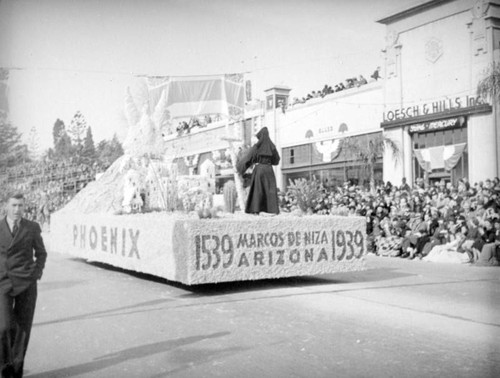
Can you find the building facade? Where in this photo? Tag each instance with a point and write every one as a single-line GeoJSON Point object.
{"type": "Point", "coordinates": [426, 101]}
{"type": "Point", "coordinates": [310, 135]}
{"type": "Point", "coordinates": [435, 55]}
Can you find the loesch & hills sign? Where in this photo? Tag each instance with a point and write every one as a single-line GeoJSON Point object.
{"type": "Point", "coordinates": [448, 106]}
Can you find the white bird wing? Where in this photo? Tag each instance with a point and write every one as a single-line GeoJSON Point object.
{"type": "Point", "coordinates": [161, 115]}
{"type": "Point", "coordinates": [131, 112]}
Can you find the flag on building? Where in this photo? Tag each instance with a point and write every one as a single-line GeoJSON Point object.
{"type": "Point", "coordinates": [440, 157]}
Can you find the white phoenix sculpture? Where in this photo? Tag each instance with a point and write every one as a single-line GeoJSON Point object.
{"type": "Point", "coordinates": [143, 147]}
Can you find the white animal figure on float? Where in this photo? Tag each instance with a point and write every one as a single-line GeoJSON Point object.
{"type": "Point", "coordinates": [143, 143]}
{"type": "Point", "coordinates": [144, 129]}
{"type": "Point", "coordinates": [145, 163]}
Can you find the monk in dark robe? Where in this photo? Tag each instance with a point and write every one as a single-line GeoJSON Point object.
{"type": "Point", "coordinates": [263, 193]}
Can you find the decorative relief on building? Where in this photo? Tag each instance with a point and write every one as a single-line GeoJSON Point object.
{"type": "Point", "coordinates": [392, 53]}
{"type": "Point", "coordinates": [329, 149]}
{"type": "Point", "coordinates": [478, 27]}
{"type": "Point", "coordinates": [391, 38]}
{"type": "Point", "coordinates": [433, 49]}
{"type": "Point", "coordinates": [480, 8]}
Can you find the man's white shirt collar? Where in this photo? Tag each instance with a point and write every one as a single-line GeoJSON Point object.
{"type": "Point", "coordinates": [11, 223]}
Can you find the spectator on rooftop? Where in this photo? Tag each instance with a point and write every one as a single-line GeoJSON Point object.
{"type": "Point", "coordinates": [339, 87]}
{"type": "Point", "coordinates": [376, 74]}
{"type": "Point", "coordinates": [361, 81]}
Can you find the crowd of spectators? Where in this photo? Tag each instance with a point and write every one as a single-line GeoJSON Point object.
{"type": "Point", "coordinates": [184, 127]}
{"type": "Point", "coordinates": [353, 82]}
{"type": "Point", "coordinates": [438, 222]}
{"type": "Point", "coordinates": [47, 185]}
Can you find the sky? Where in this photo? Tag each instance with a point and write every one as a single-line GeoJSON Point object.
{"type": "Point", "coordinates": [66, 56]}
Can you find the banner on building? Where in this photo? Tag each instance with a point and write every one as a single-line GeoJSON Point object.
{"type": "Point", "coordinates": [439, 157]}
{"type": "Point", "coordinates": [188, 96]}
{"type": "Point", "coordinates": [248, 90]}
{"type": "Point", "coordinates": [329, 149]}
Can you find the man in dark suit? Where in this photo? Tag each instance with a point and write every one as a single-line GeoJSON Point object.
{"type": "Point", "coordinates": [22, 259]}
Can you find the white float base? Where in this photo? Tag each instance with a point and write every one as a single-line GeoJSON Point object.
{"type": "Point", "coordinates": [192, 251]}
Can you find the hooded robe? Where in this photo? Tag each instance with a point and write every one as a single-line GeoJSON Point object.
{"type": "Point", "coordinates": [263, 193]}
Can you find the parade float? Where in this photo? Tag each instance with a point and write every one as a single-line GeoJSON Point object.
{"type": "Point", "coordinates": [153, 211]}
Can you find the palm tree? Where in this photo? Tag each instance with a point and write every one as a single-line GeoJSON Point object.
{"type": "Point", "coordinates": [489, 86]}
{"type": "Point", "coordinates": [369, 150]}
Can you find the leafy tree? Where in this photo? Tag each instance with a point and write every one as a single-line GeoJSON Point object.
{"type": "Point", "coordinates": [58, 130]}
{"type": "Point", "coordinates": [33, 143]}
{"type": "Point", "coordinates": [109, 151]}
{"type": "Point", "coordinates": [88, 150]}
{"type": "Point", "coordinates": [489, 86]}
{"type": "Point", "coordinates": [4, 103]}
{"type": "Point", "coordinates": [64, 149]}
{"type": "Point", "coordinates": [77, 128]}
{"type": "Point", "coordinates": [12, 151]}
{"type": "Point", "coordinates": [306, 194]}
{"type": "Point", "coordinates": [48, 154]}
{"type": "Point", "coordinates": [369, 150]}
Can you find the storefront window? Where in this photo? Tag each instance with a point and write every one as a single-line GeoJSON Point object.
{"type": "Point", "coordinates": [296, 156]}
{"type": "Point", "coordinates": [330, 178]}
{"type": "Point", "coordinates": [441, 138]}
{"type": "Point", "coordinates": [306, 161]}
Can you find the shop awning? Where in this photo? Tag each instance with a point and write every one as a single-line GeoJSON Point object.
{"type": "Point", "coordinates": [439, 157]}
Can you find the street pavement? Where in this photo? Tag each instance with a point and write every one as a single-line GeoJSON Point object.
{"type": "Point", "coordinates": [397, 319]}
